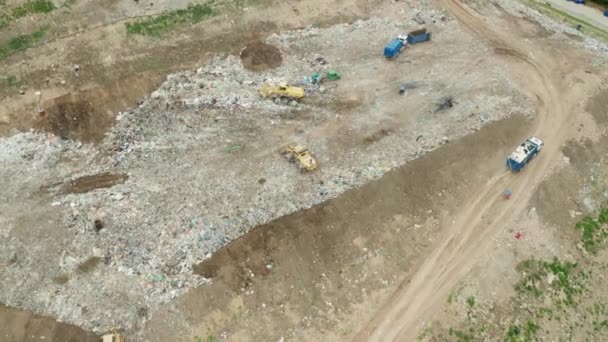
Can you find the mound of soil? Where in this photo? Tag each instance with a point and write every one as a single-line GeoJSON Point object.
{"type": "Point", "coordinates": [259, 56]}
{"type": "Point", "coordinates": [88, 114]}
{"type": "Point", "coordinates": [99, 181]}
{"type": "Point", "coordinates": [77, 118]}
{"type": "Point", "coordinates": [23, 326]}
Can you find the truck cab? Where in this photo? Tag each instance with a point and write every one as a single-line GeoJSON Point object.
{"type": "Point", "coordinates": [394, 47]}
{"type": "Point", "coordinates": [524, 153]}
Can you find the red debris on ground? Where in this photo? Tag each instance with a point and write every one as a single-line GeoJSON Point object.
{"type": "Point", "coordinates": [519, 236]}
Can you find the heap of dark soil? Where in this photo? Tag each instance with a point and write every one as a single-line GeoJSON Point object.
{"type": "Point", "coordinates": [259, 56]}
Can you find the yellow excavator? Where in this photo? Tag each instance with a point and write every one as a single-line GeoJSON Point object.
{"type": "Point", "coordinates": [281, 91]}
{"type": "Point", "coordinates": [301, 155]}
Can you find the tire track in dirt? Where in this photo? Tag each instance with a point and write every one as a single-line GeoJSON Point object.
{"type": "Point", "coordinates": [467, 237]}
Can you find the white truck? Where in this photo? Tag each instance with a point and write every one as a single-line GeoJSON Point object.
{"type": "Point", "coordinates": [524, 153]}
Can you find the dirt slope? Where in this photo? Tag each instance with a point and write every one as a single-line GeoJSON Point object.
{"type": "Point", "coordinates": [467, 234]}
{"type": "Point", "coordinates": [23, 326]}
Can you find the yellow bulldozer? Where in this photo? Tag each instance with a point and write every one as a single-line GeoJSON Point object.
{"type": "Point", "coordinates": [301, 155]}
{"type": "Point", "coordinates": [281, 91]}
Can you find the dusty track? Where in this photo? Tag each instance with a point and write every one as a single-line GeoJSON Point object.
{"type": "Point", "coordinates": [468, 233]}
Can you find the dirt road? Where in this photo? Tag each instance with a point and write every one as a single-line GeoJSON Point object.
{"type": "Point", "coordinates": [467, 235]}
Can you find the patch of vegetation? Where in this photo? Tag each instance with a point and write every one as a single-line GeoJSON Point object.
{"type": "Point", "coordinates": [243, 3]}
{"type": "Point", "coordinates": [451, 297]}
{"type": "Point", "coordinates": [455, 293]}
{"type": "Point", "coordinates": [544, 313]}
{"type": "Point", "coordinates": [33, 6]}
{"type": "Point", "coordinates": [29, 7]}
{"type": "Point", "coordinates": [600, 325]}
{"type": "Point", "coordinates": [471, 301]}
{"type": "Point", "coordinates": [548, 293]}
{"type": "Point", "coordinates": [22, 42]}
{"type": "Point", "coordinates": [426, 332]}
{"type": "Point", "coordinates": [527, 333]}
{"type": "Point", "coordinates": [598, 309]}
{"type": "Point", "coordinates": [564, 282]}
{"type": "Point", "coordinates": [462, 336]}
{"type": "Point", "coordinates": [12, 81]}
{"type": "Point", "coordinates": [532, 277]}
{"type": "Point", "coordinates": [169, 21]}
{"type": "Point", "coordinates": [68, 4]}
{"type": "Point", "coordinates": [594, 231]}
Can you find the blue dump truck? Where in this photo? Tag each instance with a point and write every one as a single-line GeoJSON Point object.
{"type": "Point", "coordinates": [524, 153]}
{"type": "Point", "coordinates": [394, 47]}
{"type": "Point", "coordinates": [418, 36]}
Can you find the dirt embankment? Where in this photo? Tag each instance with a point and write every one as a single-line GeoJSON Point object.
{"type": "Point", "coordinates": [258, 56]}
{"type": "Point", "coordinates": [24, 326]}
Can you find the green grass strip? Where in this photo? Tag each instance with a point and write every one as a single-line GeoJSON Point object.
{"type": "Point", "coordinates": [30, 7]}
{"type": "Point", "coordinates": [21, 42]}
{"type": "Point", "coordinates": [169, 21]}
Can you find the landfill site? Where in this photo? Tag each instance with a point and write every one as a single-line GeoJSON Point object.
{"type": "Point", "coordinates": [302, 171]}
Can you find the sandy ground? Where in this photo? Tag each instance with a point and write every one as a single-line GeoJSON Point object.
{"type": "Point", "coordinates": [384, 256]}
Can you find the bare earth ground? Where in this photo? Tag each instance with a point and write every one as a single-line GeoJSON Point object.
{"type": "Point", "coordinates": [379, 261]}
{"type": "Point", "coordinates": [22, 326]}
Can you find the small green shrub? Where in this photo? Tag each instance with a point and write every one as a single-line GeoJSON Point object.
{"type": "Point", "coordinates": [471, 301]}
{"type": "Point", "coordinates": [12, 81]}
{"type": "Point", "coordinates": [527, 333]}
{"type": "Point", "coordinates": [35, 6]}
{"type": "Point", "coordinates": [461, 336]}
{"type": "Point", "coordinates": [29, 7]}
{"type": "Point", "coordinates": [594, 232]}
